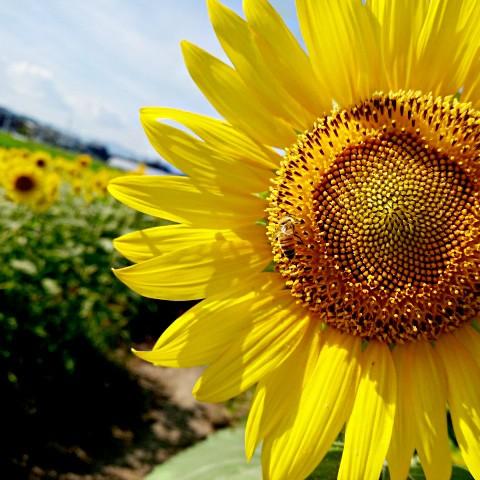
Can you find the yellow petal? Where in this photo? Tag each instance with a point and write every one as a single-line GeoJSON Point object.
{"type": "Point", "coordinates": [148, 243]}
{"type": "Point", "coordinates": [400, 26]}
{"type": "Point", "coordinates": [178, 200]}
{"type": "Point", "coordinates": [205, 331]}
{"type": "Point", "coordinates": [472, 86]}
{"type": "Point", "coordinates": [233, 100]}
{"type": "Point", "coordinates": [442, 37]}
{"type": "Point", "coordinates": [250, 356]}
{"type": "Point", "coordinates": [297, 444]}
{"type": "Point", "coordinates": [402, 443]}
{"type": "Point", "coordinates": [428, 405]}
{"type": "Point", "coordinates": [236, 39]}
{"type": "Point", "coordinates": [219, 135]}
{"type": "Point", "coordinates": [470, 339]}
{"type": "Point", "coordinates": [253, 428]}
{"type": "Point", "coordinates": [342, 39]}
{"type": "Point", "coordinates": [208, 168]}
{"type": "Point", "coordinates": [417, 36]}
{"type": "Point", "coordinates": [463, 398]}
{"type": "Point", "coordinates": [196, 271]}
{"type": "Point", "coordinates": [469, 65]}
{"type": "Point", "coordinates": [285, 57]}
{"type": "Point", "coordinates": [278, 394]}
{"type": "Point", "coordinates": [369, 428]}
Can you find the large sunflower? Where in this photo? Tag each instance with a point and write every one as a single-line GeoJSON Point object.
{"type": "Point", "coordinates": [370, 219]}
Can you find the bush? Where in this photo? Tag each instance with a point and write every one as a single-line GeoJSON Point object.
{"type": "Point", "coordinates": [55, 279]}
{"type": "Point", "coordinates": [62, 316]}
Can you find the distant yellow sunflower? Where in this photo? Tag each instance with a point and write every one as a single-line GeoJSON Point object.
{"type": "Point", "coordinates": [99, 182]}
{"type": "Point", "coordinates": [41, 159]}
{"type": "Point", "coordinates": [83, 160]}
{"type": "Point", "coordinates": [370, 220]}
{"type": "Point", "coordinates": [77, 186]}
{"type": "Point", "coordinates": [140, 169]}
{"type": "Point", "coordinates": [24, 182]}
{"type": "Point", "coordinates": [50, 193]}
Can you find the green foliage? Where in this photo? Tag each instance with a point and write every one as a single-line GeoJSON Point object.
{"type": "Point", "coordinates": [222, 456]}
{"type": "Point", "coordinates": [219, 457]}
{"type": "Point", "coordinates": [56, 285]}
{"type": "Point", "coordinates": [8, 141]}
{"type": "Point", "coordinates": [458, 473]}
{"type": "Point", "coordinates": [328, 469]}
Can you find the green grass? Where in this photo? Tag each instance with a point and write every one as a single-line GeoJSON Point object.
{"type": "Point", "coordinates": [8, 141]}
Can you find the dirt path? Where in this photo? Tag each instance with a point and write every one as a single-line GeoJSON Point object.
{"type": "Point", "coordinates": [171, 421]}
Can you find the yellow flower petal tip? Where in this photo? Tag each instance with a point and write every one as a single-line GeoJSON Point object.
{"type": "Point", "coordinates": [117, 273]}
{"type": "Point", "coordinates": [144, 355]}
{"type": "Point", "coordinates": [371, 230]}
{"type": "Point", "coordinates": [197, 394]}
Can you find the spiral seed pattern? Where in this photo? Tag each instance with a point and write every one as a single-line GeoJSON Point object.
{"type": "Point", "coordinates": [386, 206]}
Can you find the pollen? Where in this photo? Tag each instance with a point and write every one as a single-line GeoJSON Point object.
{"type": "Point", "coordinates": [382, 200]}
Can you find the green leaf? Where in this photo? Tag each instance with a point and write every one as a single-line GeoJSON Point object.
{"type": "Point", "coordinates": [220, 457]}
{"type": "Point", "coordinates": [476, 325]}
{"type": "Point", "coordinates": [51, 286]}
{"type": "Point", "coordinates": [24, 266]}
{"type": "Point", "coordinates": [458, 473]}
{"type": "Point", "coordinates": [457, 95]}
{"type": "Point", "coordinates": [264, 195]}
{"type": "Point", "coordinates": [106, 244]}
{"type": "Point", "coordinates": [40, 331]}
{"type": "Point", "coordinates": [270, 267]}
{"type": "Point", "coordinates": [328, 469]}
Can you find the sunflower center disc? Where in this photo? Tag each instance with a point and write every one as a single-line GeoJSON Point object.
{"type": "Point", "coordinates": [390, 208]}
{"type": "Point", "coordinates": [374, 217]}
{"type": "Point", "coordinates": [24, 183]}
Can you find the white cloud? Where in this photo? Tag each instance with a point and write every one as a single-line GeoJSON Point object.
{"type": "Point", "coordinates": [26, 69]}
{"type": "Point", "coordinates": [35, 82]}
{"type": "Point", "coordinates": [95, 111]}
{"type": "Point", "coordinates": [89, 66]}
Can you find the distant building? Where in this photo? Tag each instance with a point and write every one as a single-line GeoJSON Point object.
{"type": "Point", "coordinates": [115, 155]}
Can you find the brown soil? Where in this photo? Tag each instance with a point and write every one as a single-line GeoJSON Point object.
{"type": "Point", "coordinates": [172, 421]}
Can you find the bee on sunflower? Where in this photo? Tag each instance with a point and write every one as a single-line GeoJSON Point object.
{"type": "Point", "coordinates": [369, 319]}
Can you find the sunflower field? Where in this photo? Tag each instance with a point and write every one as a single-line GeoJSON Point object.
{"type": "Point", "coordinates": [63, 313]}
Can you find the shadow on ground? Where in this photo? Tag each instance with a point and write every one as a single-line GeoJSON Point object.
{"type": "Point", "coordinates": [109, 419]}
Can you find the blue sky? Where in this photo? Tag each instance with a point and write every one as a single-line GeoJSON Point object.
{"type": "Point", "coordinates": [88, 65]}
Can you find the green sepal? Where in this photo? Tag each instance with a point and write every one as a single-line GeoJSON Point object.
{"type": "Point", "coordinates": [264, 195]}
{"type": "Point", "coordinates": [328, 469]}
{"type": "Point", "coordinates": [270, 267]}
{"type": "Point", "coordinates": [476, 325]}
